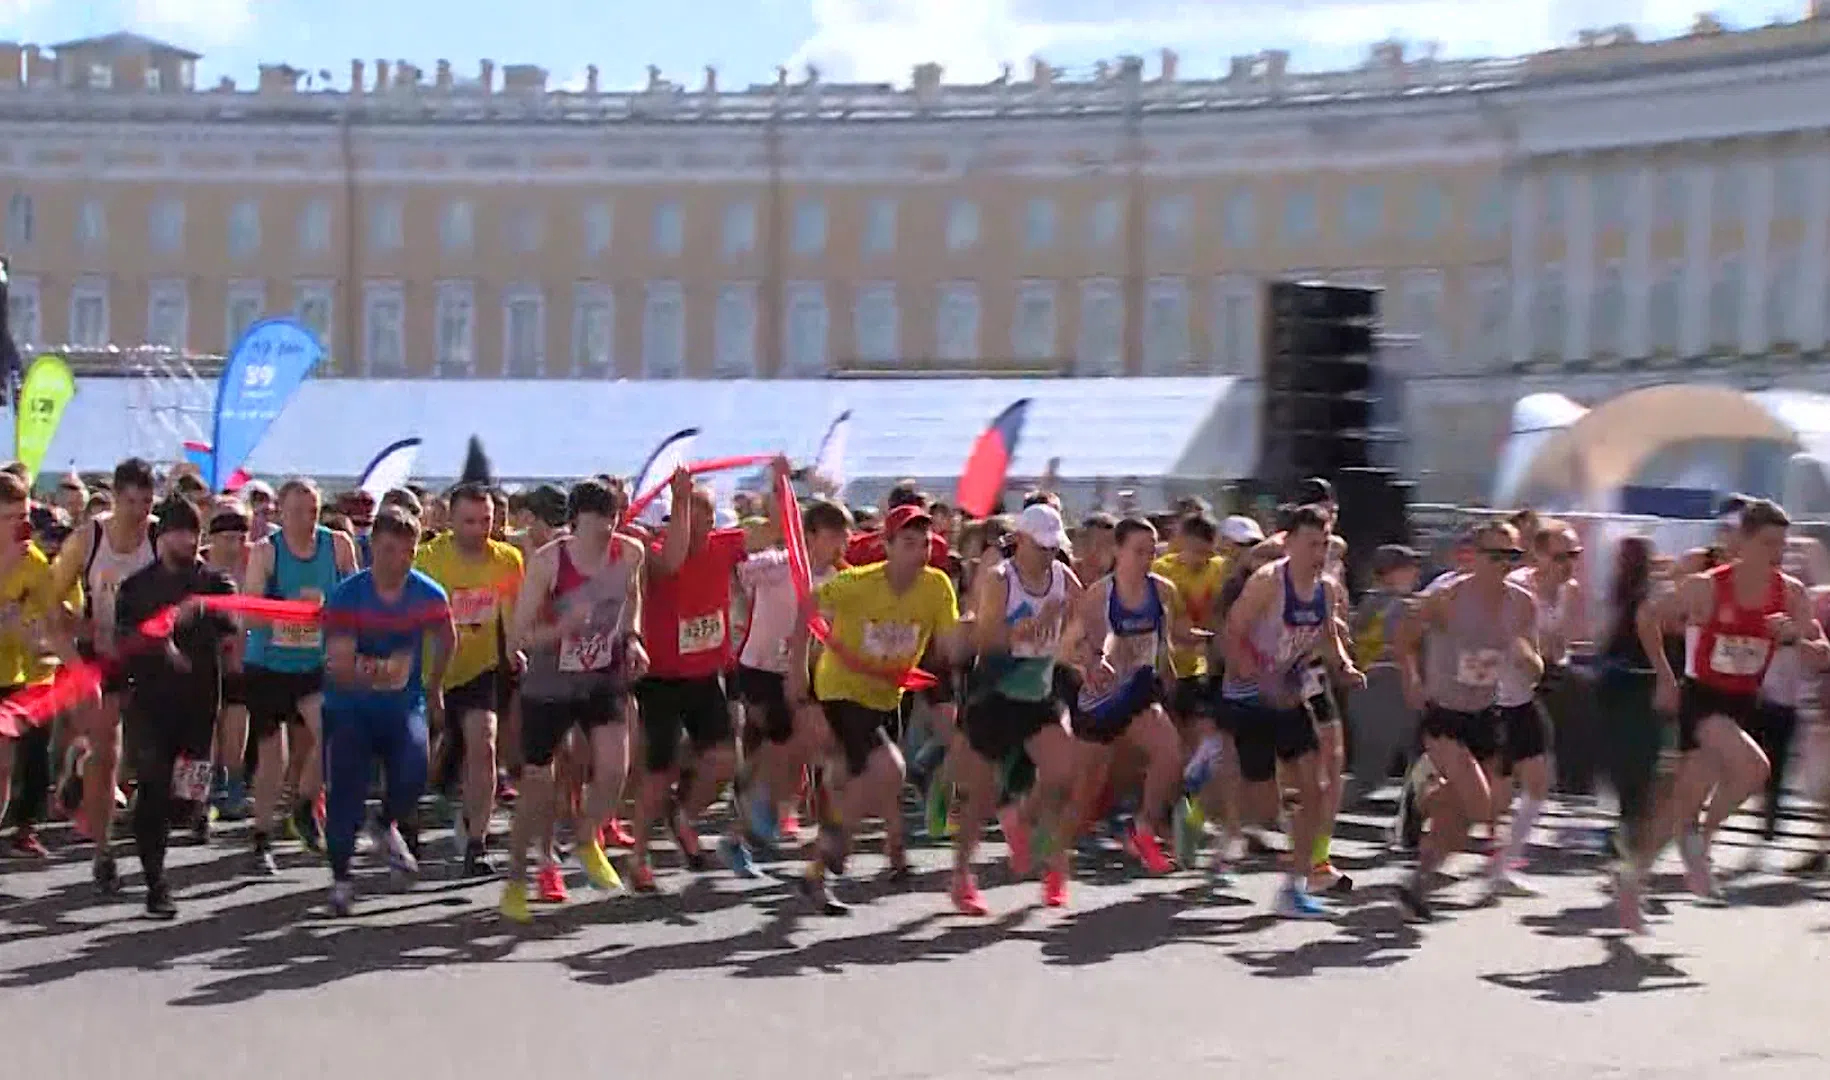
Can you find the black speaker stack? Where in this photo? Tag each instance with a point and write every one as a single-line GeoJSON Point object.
{"type": "Point", "coordinates": [1321, 386]}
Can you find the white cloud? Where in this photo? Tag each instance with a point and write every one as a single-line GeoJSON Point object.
{"type": "Point", "coordinates": [199, 23]}
{"type": "Point", "coordinates": [884, 39]}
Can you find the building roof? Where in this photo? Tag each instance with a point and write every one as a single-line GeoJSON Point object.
{"type": "Point", "coordinates": [549, 429]}
{"type": "Point", "coordinates": [122, 43]}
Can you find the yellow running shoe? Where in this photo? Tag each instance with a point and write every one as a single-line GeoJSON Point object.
{"type": "Point", "coordinates": [514, 903]}
{"type": "Point", "coordinates": [597, 866]}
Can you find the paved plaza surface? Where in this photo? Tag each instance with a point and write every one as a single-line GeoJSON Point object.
{"type": "Point", "coordinates": [726, 978]}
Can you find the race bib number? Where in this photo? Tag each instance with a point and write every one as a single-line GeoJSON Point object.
{"type": "Point", "coordinates": [702, 634]}
{"type": "Point", "coordinates": [1734, 655]}
{"type": "Point", "coordinates": [300, 635]}
{"type": "Point", "coordinates": [586, 652]}
{"type": "Point", "coordinates": [386, 672]}
{"type": "Point", "coordinates": [473, 608]}
{"type": "Point", "coordinates": [190, 779]}
{"type": "Point", "coordinates": [1478, 667]}
{"type": "Point", "coordinates": [891, 641]}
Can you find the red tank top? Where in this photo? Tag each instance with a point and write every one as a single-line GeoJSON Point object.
{"type": "Point", "coordinates": [1734, 647]}
{"type": "Point", "coordinates": [567, 577]}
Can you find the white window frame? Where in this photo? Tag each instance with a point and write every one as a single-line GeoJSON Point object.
{"type": "Point", "coordinates": [734, 356]}
{"type": "Point", "coordinates": [1105, 223]}
{"type": "Point", "coordinates": [1493, 209]}
{"type": "Point", "coordinates": [169, 291]}
{"type": "Point", "coordinates": [738, 232]}
{"type": "Point", "coordinates": [1667, 279]}
{"type": "Point", "coordinates": [454, 356]}
{"type": "Point", "coordinates": [19, 291]}
{"type": "Point", "coordinates": [1238, 219]}
{"type": "Point", "coordinates": [1172, 218]}
{"type": "Point", "coordinates": [1548, 335]}
{"type": "Point", "coordinates": [1607, 330]}
{"type": "Point", "coordinates": [1175, 290]}
{"type": "Point", "coordinates": [1085, 363]}
{"type": "Point", "coordinates": [101, 76]}
{"type": "Point", "coordinates": [962, 226]}
{"type": "Point", "coordinates": [153, 78]}
{"type": "Point", "coordinates": [1237, 294]}
{"type": "Point", "coordinates": [599, 224]}
{"type": "Point", "coordinates": [1041, 216]}
{"type": "Point", "coordinates": [166, 224]}
{"type": "Point", "coordinates": [1048, 345]}
{"type": "Point", "coordinates": [457, 227]}
{"type": "Point", "coordinates": [589, 296]}
{"type": "Point", "coordinates": [92, 225]}
{"type": "Point", "coordinates": [1296, 229]}
{"type": "Point", "coordinates": [1429, 209]}
{"type": "Point", "coordinates": [21, 221]}
{"type": "Point", "coordinates": [809, 226]}
{"type": "Point", "coordinates": [244, 232]}
{"type": "Point", "coordinates": [1363, 211]}
{"type": "Point", "coordinates": [523, 293]}
{"type": "Point", "coordinates": [303, 292]}
{"type": "Point", "coordinates": [656, 295]}
{"type": "Point", "coordinates": [524, 226]}
{"type": "Point", "coordinates": [387, 224]}
{"type": "Point", "coordinates": [317, 220]}
{"type": "Point", "coordinates": [1728, 275]}
{"type": "Point", "coordinates": [877, 298]}
{"type": "Point", "coordinates": [89, 288]}
{"type": "Point", "coordinates": [796, 292]}
{"type": "Point", "coordinates": [243, 292]}
{"type": "Point", "coordinates": [881, 225]}
{"type": "Point", "coordinates": [375, 293]}
{"type": "Point", "coordinates": [667, 229]}
{"type": "Point", "coordinates": [958, 298]}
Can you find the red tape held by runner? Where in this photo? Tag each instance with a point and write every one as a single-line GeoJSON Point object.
{"type": "Point", "coordinates": [800, 572]}
{"type": "Point", "coordinates": [697, 468]}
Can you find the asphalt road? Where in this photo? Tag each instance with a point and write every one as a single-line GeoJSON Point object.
{"type": "Point", "coordinates": [721, 978]}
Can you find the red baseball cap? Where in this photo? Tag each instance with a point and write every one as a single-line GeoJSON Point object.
{"type": "Point", "coordinates": [906, 517]}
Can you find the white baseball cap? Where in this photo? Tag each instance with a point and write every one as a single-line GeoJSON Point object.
{"type": "Point", "coordinates": [1241, 530]}
{"type": "Point", "coordinates": [1042, 523]}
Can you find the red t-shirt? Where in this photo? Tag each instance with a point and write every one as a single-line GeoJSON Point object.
{"type": "Point", "coordinates": [686, 615]}
{"type": "Point", "coordinates": [867, 548]}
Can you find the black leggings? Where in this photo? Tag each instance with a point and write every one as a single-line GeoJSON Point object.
{"type": "Point", "coordinates": [166, 731]}
{"type": "Point", "coordinates": [1773, 729]}
{"type": "Point", "coordinates": [31, 792]}
{"type": "Point", "coordinates": [1635, 736]}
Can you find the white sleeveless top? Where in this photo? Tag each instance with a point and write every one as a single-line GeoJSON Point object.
{"type": "Point", "coordinates": [102, 577]}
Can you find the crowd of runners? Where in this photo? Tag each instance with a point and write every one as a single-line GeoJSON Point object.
{"type": "Point", "coordinates": [1185, 684]}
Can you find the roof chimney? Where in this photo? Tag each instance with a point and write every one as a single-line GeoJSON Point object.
{"type": "Point", "coordinates": [355, 77]}
{"type": "Point", "coordinates": [927, 79]}
{"type": "Point", "coordinates": [1040, 72]}
{"type": "Point", "coordinates": [591, 78]}
{"type": "Point", "coordinates": [1170, 61]}
{"type": "Point", "coordinates": [406, 76]}
{"type": "Point", "coordinates": [381, 76]}
{"type": "Point", "coordinates": [486, 76]}
{"type": "Point", "coordinates": [444, 75]}
{"type": "Point", "coordinates": [1276, 63]}
{"type": "Point", "coordinates": [711, 79]}
{"type": "Point", "coordinates": [1131, 69]}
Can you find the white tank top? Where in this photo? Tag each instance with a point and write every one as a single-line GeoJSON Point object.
{"type": "Point", "coordinates": [1022, 607]}
{"type": "Point", "coordinates": [102, 577]}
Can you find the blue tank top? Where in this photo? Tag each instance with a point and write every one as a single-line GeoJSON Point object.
{"type": "Point", "coordinates": [1135, 638]}
{"type": "Point", "coordinates": [1283, 640]}
{"type": "Point", "coordinates": [296, 648]}
{"type": "Point", "coordinates": [390, 640]}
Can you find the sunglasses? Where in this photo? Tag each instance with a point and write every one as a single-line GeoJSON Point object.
{"type": "Point", "coordinates": [1507, 555]}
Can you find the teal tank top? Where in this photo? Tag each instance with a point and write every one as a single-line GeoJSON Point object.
{"type": "Point", "coordinates": [295, 648]}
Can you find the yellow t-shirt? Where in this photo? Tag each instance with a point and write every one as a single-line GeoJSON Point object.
{"type": "Point", "coordinates": [25, 601]}
{"type": "Point", "coordinates": [482, 596]}
{"type": "Point", "coordinates": [1199, 590]}
{"type": "Point", "coordinates": [880, 627]}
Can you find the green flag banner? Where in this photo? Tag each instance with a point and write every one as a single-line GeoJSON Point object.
{"type": "Point", "coordinates": [44, 395]}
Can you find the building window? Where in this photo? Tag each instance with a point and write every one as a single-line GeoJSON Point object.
{"type": "Point", "coordinates": [734, 331]}
{"type": "Point", "coordinates": [89, 313]}
{"type": "Point", "coordinates": [384, 345]}
{"type": "Point", "coordinates": [876, 324]}
{"type": "Point", "coordinates": [92, 225]}
{"type": "Point", "coordinates": [524, 231]}
{"type": "Point", "coordinates": [809, 227]}
{"type": "Point", "coordinates": [664, 331]}
{"type": "Point", "coordinates": [1493, 211]}
{"type": "Point", "coordinates": [600, 222]}
{"type": "Point", "coordinates": [22, 312]}
{"type": "Point", "coordinates": [669, 228]}
{"type": "Point", "coordinates": [880, 227]}
{"type": "Point", "coordinates": [1791, 185]}
{"type": "Point", "coordinates": [1553, 199]}
{"type": "Point", "coordinates": [387, 223]}
{"type": "Point", "coordinates": [956, 328]}
{"type": "Point", "coordinates": [962, 225]}
{"type": "Point", "coordinates": [101, 77]}
{"type": "Point", "coordinates": [1549, 307]}
{"type": "Point", "coordinates": [457, 227]}
{"type": "Point", "coordinates": [1039, 224]}
{"type": "Point", "coordinates": [1420, 314]}
{"type": "Point", "coordinates": [1673, 196]}
{"type": "Point", "coordinates": [1608, 313]}
{"type": "Point", "coordinates": [1102, 328]}
{"type": "Point", "coordinates": [1364, 212]}
{"type": "Point", "coordinates": [247, 303]}
{"type": "Point", "coordinates": [593, 330]}
{"type": "Point", "coordinates": [1236, 313]}
{"type": "Point", "coordinates": [187, 74]}
{"type": "Point", "coordinates": [1032, 330]}
{"type": "Point", "coordinates": [1728, 193]}
{"type": "Point", "coordinates": [1782, 322]}
{"type": "Point", "coordinates": [1105, 223]}
{"type": "Point", "coordinates": [168, 315]}
{"type": "Point", "coordinates": [523, 332]}
{"type": "Point", "coordinates": [806, 332]}
{"type": "Point", "coordinates": [1429, 210]}
{"type": "Point", "coordinates": [1490, 328]}
{"type": "Point", "coordinates": [244, 228]}
{"type": "Point", "coordinates": [1725, 305]}
{"type": "Point", "coordinates": [21, 221]}
{"type": "Point", "coordinates": [1166, 339]}
{"type": "Point", "coordinates": [739, 230]}
{"type": "Point", "coordinates": [1171, 222]}
{"type": "Point", "coordinates": [1609, 192]}
{"type": "Point", "coordinates": [153, 79]}
{"type": "Point", "coordinates": [314, 227]}
{"type": "Point", "coordinates": [1664, 305]}
{"type": "Point", "coordinates": [454, 339]}
{"type": "Point", "coordinates": [312, 305]}
{"type": "Point", "coordinates": [167, 225]}
{"type": "Point", "coordinates": [1239, 224]}
{"type": "Point", "coordinates": [1300, 221]}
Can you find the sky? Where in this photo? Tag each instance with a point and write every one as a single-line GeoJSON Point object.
{"type": "Point", "coordinates": [863, 40]}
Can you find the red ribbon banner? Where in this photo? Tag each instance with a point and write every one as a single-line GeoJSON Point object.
{"type": "Point", "coordinates": [697, 468]}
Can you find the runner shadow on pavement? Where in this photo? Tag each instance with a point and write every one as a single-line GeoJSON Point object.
{"type": "Point", "coordinates": [1138, 925]}
{"type": "Point", "coordinates": [1624, 970]}
{"type": "Point", "coordinates": [1370, 936]}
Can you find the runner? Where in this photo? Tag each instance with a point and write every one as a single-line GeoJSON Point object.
{"type": "Point", "coordinates": [387, 636]}
{"type": "Point", "coordinates": [884, 618]}
{"type": "Point", "coordinates": [481, 578]}
{"type": "Point", "coordinates": [1451, 650]}
{"type": "Point", "coordinates": [116, 545]}
{"type": "Point", "coordinates": [283, 677]}
{"type": "Point", "coordinates": [228, 552]}
{"type": "Point", "coordinates": [1282, 622]}
{"type": "Point", "coordinates": [1198, 573]}
{"type": "Point", "coordinates": [174, 694]}
{"type": "Point", "coordinates": [576, 619]}
{"type": "Point", "coordinates": [1636, 735]}
{"type": "Point", "coordinates": [1020, 610]}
